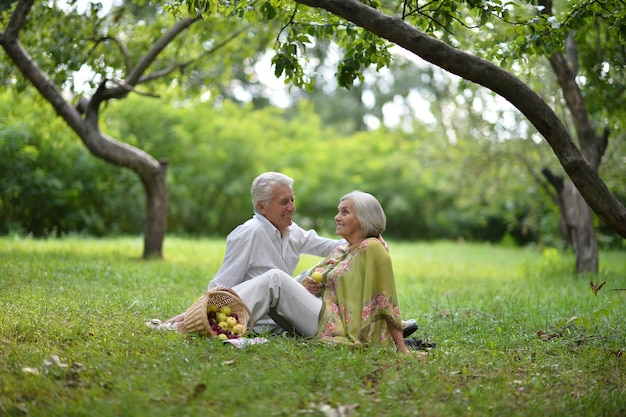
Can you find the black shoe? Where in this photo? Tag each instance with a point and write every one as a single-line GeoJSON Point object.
{"type": "Point", "coordinates": [416, 344]}
{"type": "Point", "coordinates": [409, 327]}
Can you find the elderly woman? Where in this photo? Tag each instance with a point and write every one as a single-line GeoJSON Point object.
{"type": "Point", "coordinates": [355, 302]}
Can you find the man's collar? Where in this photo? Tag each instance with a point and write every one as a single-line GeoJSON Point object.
{"type": "Point", "coordinates": [269, 226]}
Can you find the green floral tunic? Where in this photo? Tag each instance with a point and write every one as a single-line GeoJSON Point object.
{"type": "Point", "coordinates": [359, 295]}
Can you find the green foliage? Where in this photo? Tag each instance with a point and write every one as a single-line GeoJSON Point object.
{"type": "Point", "coordinates": [285, 62]}
{"type": "Point", "coordinates": [301, 27]}
{"type": "Point", "coordinates": [51, 185]}
{"type": "Point", "coordinates": [364, 51]}
{"type": "Point", "coordinates": [74, 340]}
{"type": "Point", "coordinates": [54, 186]}
{"type": "Point", "coordinates": [514, 34]}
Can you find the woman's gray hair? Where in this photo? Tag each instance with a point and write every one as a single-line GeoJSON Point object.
{"type": "Point", "coordinates": [263, 187]}
{"type": "Point", "coordinates": [369, 212]}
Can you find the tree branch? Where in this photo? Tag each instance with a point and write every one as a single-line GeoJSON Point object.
{"type": "Point", "coordinates": [590, 143]}
{"type": "Point", "coordinates": [485, 73]}
{"type": "Point", "coordinates": [165, 71]}
{"type": "Point", "coordinates": [121, 46]}
{"type": "Point", "coordinates": [16, 23]}
{"type": "Point", "coordinates": [135, 74]}
{"type": "Point", "coordinates": [29, 68]}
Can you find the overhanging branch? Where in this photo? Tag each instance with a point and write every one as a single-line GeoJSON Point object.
{"type": "Point", "coordinates": [485, 73]}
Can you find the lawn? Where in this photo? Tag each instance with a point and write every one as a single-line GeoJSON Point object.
{"type": "Point", "coordinates": [517, 334]}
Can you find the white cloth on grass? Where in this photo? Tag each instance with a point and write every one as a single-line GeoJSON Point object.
{"type": "Point", "coordinates": [157, 324]}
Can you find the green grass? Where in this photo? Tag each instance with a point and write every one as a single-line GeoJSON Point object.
{"type": "Point", "coordinates": [517, 334]}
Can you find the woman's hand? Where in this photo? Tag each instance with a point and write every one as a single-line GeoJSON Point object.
{"type": "Point", "coordinates": [312, 286]}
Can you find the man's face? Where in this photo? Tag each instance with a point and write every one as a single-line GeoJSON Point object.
{"type": "Point", "coordinates": [281, 207]}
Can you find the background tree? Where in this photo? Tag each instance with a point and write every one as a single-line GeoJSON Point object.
{"type": "Point", "coordinates": [576, 214]}
{"type": "Point", "coordinates": [120, 53]}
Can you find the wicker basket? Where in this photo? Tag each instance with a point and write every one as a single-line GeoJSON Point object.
{"type": "Point", "coordinates": [196, 319]}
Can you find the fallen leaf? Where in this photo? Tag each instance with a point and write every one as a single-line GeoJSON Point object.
{"type": "Point", "coordinates": [54, 360]}
{"type": "Point", "coordinates": [198, 389]}
{"type": "Point", "coordinates": [340, 411]}
{"type": "Point", "coordinates": [547, 336]}
{"type": "Point", "coordinates": [29, 370]}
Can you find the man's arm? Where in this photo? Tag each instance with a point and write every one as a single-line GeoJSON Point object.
{"type": "Point", "coordinates": [313, 244]}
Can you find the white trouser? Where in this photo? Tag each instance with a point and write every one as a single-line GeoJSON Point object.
{"type": "Point", "coordinates": [282, 297]}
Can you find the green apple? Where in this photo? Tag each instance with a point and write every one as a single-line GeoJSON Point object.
{"type": "Point", "coordinates": [211, 308]}
{"type": "Point", "coordinates": [223, 325]}
{"type": "Point", "coordinates": [226, 310]}
{"type": "Point", "coordinates": [219, 316]}
{"type": "Point", "coordinates": [238, 328]}
{"type": "Point", "coordinates": [317, 276]}
{"type": "Point", "coordinates": [222, 336]}
{"type": "Point", "coordinates": [231, 321]}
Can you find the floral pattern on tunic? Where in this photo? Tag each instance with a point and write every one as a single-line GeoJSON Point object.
{"type": "Point", "coordinates": [359, 295]}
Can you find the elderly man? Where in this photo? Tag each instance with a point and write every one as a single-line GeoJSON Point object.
{"type": "Point", "coordinates": [269, 240]}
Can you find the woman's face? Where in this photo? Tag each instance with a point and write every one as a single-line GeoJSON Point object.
{"type": "Point", "coordinates": [348, 226]}
{"type": "Point", "coordinates": [281, 207]}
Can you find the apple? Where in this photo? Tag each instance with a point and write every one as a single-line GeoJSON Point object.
{"type": "Point", "coordinates": [211, 308]}
{"type": "Point", "coordinates": [223, 325]}
{"type": "Point", "coordinates": [317, 276]}
{"type": "Point", "coordinates": [231, 321]}
{"type": "Point", "coordinates": [226, 310]}
{"type": "Point", "coordinates": [238, 328]}
{"type": "Point", "coordinates": [220, 317]}
{"type": "Point", "coordinates": [222, 336]}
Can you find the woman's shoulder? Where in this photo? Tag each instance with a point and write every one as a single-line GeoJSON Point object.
{"type": "Point", "coordinates": [374, 245]}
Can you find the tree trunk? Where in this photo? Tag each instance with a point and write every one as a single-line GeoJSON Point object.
{"type": "Point", "coordinates": [153, 174]}
{"type": "Point", "coordinates": [579, 222]}
{"type": "Point", "coordinates": [156, 212]}
{"type": "Point", "coordinates": [577, 226]}
{"type": "Point", "coordinates": [576, 213]}
{"type": "Point", "coordinates": [576, 223]}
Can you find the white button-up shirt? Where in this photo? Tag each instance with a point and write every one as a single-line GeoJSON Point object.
{"type": "Point", "coordinates": [256, 247]}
